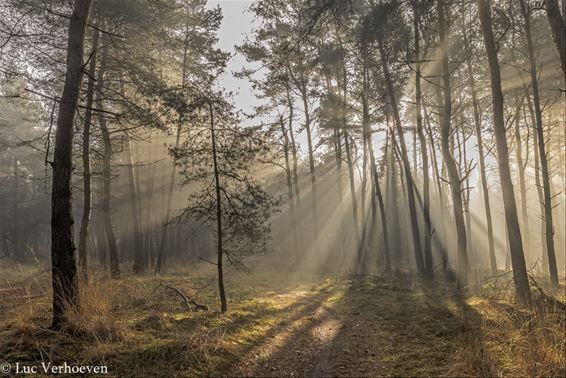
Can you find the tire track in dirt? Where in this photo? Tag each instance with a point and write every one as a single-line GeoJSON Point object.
{"type": "Point", "coordinates": [304, 345]}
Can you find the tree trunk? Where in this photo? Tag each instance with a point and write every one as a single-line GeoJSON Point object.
{"type": "Point", "coordinates": [392, 204]}
{"type": "Point", "coordinates": [521, 174]}
{"type": "Point", "coordinates": [481, 155]}
{"type": "Point", "coordinates": [169, 199]}
{"type": "Point", "coordinates": [455, 182]}
{"type": "Point", "coordinates": [514, 232]}
{"type": "Point", "coordinates": [289, 180]}
{"type": "Point", "coordinates": [106, 176]}
{"type": "Point", "coordinates": [558, 27]}
{"type": "Point", "coordinates": [63, 264]}
{"type": "Point", "coordinates": [406, 166]}
{"type": "Point", "coordinates": [17, 249]}
{"type": "Point", "coordinates": [293, 145]}
{"type": "Point", "coordinates": [375, 178]}
{"type": "Point", "coordinates": [84, 230]}
{"type": "Point", "coordinates": [428, 262]}
{"type": "Point", "coordinates": [222, 293]}
{"type": "Point", "coordinates": [140, 262]}
{"type": "Point", "coordinates": [549, 227]}
{"type": "Point", "coordinates": [350, 161]}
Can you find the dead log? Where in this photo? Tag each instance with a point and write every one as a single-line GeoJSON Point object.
{"type": "Point", "coordinates": [189, 302]}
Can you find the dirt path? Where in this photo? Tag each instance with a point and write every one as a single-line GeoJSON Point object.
{"type": "Point", "coordinates": [359, 330]}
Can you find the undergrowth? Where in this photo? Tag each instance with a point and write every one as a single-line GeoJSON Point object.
{"type": "Point", "coordinates": [391, 325]}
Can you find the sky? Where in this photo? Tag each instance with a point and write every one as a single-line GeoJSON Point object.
{"type": "Point", "coordinates": [236, 23]}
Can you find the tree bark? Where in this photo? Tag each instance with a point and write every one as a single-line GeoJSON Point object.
{"type": "Point", "coordinates": [428, 262]}
{"type": "Point", "coordinates": [289, 180]}
{"type": "Point", "coordinates": [222, 293]}
{"type": "Point", "coordinates": [445, 128]}
{"type": "Point", "coordinates": [512, 223]}
{"type": "Point", "coordinates": [85, 220]}
{"type": "Point", "coordinates": [163, 244]}
{"type": "Point", "coordinates": [549, 227]}
{"type": "Point", "coordinates": [375, 178]}
{"type": "Point", "coordinates": [106, 175]}
{"type": "Point", "coordinates": [481, 156]}
{"type": "Point", "coordinates": [558, 27]}
{"type": "Point", "coordinates": [140, 262]}
{"type": "Point", "coordinates": [63, 264]}
{"type": "Point", "coordinates": [406, 166]}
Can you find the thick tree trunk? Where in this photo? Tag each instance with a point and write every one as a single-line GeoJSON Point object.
{"type": "Point", "coordinates": [514, 232]}
{"type": "Point", "coordinates": [84, 230]}
{"type": "Point", "coordinates": [63, 264]}
{"type": "Point", "coordinates": [558, 26]}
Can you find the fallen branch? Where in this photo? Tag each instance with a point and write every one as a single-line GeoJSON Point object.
{"type": "Point", "coordinates": [189, 302]}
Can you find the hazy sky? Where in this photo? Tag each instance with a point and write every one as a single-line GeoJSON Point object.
{"type": "Point", "coordinates": [236, 23]}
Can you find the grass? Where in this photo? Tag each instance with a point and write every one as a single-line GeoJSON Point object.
{"type": "Point", "coordinates": [276, 325]}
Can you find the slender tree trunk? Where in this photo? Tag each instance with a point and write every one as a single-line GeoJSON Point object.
{"type": "Point", "coordinates": [349, 160]}
{"type": "Point", "coordinates": [222, 293]}
{"type": "Point", "coordinates": [521, 174]}
{"type": "Point", "coordinates": [376, 189]}
{"type": "Point", "coordinates": [428, 262]}
{"type": "Point", "coordinates": [308, 125]}
{"type": "Point", "coordinates": [17, 249]}
{"type": "Point", "coordinates": [350, 163]}
{"type": "Point", "coordinates": [106, 175]}
{"type": "Point", "coordinates": [514, 232]}
{"type": "Point", "coordinates": [140, 263]}
{"type": "Point", "coordinates": [148, 213]}
{"type": "Point", "coordinates": [542, 150]}
{"type": "Point", "coordinates": [169, 199]}
{"type": "Point", "coordinates": [481, 156]}
{"type": "Point", "coordinates": [63, 264]}
{"type": "Point", "coordinates": [448, 158]}
{"type": "Point", "coordinates": [289, 180]}
{"type": "Point", "coordinates": [293, 145]}
{"type": "Point", "coordinates": [302, 86]}
{"type": "Point", "coordinates": [392, 203]}
{"type": "Point", "coordinates": [406, 166]}
{"type": "Point", "coordinates": [538, 184]}
{"type": "Point", "coordinates": [84, 230]}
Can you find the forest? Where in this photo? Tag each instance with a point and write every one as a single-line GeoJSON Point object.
{"type": "Point", "coordinates": [352, 188]}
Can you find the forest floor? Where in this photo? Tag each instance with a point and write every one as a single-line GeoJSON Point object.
{"type": "Point", "coordinates": [283, 325]}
